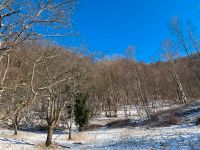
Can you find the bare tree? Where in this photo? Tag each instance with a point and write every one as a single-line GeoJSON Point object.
{"type": "Point", "coordinates": [18, 91]}
{"type": "Point", "coordinates": [58, 85]}
{"type": "Point", "coordinates": [193, 38]}
{"type": "Point", "coordinates": [180, 37]}
{"type": "Point", "coordinates": [167, 46]}
{"type": "Point", "coordinates": [20, 19]}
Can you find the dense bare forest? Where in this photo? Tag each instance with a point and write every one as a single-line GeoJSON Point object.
{"type": "Point", "coordinates": [41, 85]}
{"type": "Point", "coordinates": [44, 86]}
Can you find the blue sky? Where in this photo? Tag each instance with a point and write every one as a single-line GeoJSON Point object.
{"type": "Point", "coordinates": [110, 26]}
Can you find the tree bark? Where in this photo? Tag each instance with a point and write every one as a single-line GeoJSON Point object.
{"type": "Point", "coordinates": [70, 134]}
{"type": "Point", "coordinates": [49, 135]}
{"type": "Point", "coordinates": [80, 129]}
{"type": "Point", "coordinates": [15, 126]}
{"type": "Point", "coordinates": [181, 92]}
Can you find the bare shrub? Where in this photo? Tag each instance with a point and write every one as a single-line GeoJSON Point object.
{"type": "Point", "coordinates": [171, 120]}
{"type": "Point", "coordinates": [168, 119]}
{"type": "Point", "coordinates": [92, 127]}
{"type": "Point", "coordinates": [154, 117]}
{"type": "Point", "coordinates": [120, 123]}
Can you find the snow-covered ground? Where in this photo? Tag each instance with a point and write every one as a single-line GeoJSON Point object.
{"type": "Point", "coordinates": [185, 136]}
{"type": "Point", "coordinates": [181, 137]}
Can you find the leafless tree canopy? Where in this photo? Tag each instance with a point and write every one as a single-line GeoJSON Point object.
{"type": "Point", "coordinates": [22, 19]}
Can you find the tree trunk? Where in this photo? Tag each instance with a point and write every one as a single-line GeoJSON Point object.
{"type": "Point", "coordinates": [181, 92]}
{"type": "Point", "coordinates": [125, 111]}
{"type": "Point", "coordinates": [15, 127]}
{"type": "Point", "coordinates": [49, 135]}
{"type": "Point", "coordinates": [143, 99]}
{"type": "Point", "coordinates": [15, 124]}
{"type": "Point", "coordinates": [80, 128]}
{"type": "Point", "coordinates": [138, 111]}
{"type": "Point", "coordinates": [70, 134]}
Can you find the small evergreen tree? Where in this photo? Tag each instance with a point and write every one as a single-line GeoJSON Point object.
{"type": "Point", "coordinates": [81, 110]}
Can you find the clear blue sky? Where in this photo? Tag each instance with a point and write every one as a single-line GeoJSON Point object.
{"type": "Point", "coordinates": [110, 26]}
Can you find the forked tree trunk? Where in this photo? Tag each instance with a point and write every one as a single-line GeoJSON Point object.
{"type": "Point", "coordinates": [49, 135]}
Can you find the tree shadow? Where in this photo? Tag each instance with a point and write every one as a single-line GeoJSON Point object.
{"type": "Point", "coordinates": [14, 141]}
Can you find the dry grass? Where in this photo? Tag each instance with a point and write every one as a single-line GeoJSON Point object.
{"type": "Point", "coordinates": [41, 146]}
{"type": "Point", "coordinates": [79, 137]}
{"type": "Point", "coordinates": [126, 133]}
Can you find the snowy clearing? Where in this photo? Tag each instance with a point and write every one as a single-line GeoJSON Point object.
{"type": "Point", "coordinates": [182, 137]}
